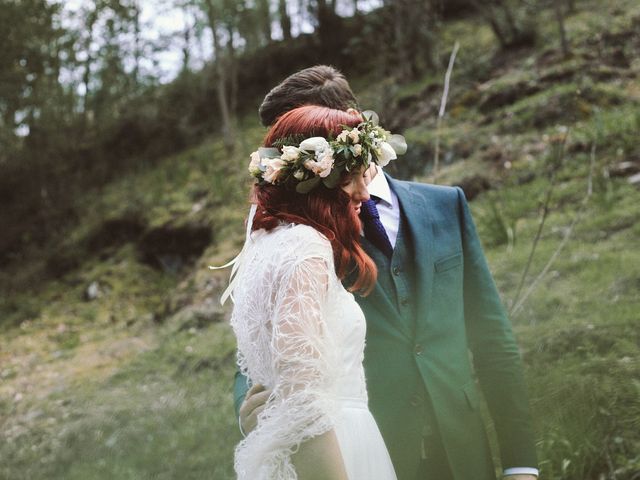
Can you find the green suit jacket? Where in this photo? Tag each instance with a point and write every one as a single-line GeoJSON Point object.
{"type": "Point", "coordinates": [458, 312]}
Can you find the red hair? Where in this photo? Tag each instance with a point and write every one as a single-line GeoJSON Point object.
{"type": "Point", "coordinates": [311, 121]}
{"type": "Point", "coordinates": [327, 210]}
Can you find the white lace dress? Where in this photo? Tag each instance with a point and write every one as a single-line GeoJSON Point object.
{"type": "Point", "coordinates": [301, 334]}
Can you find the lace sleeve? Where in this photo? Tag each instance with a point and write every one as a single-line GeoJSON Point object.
{"type": "Point", "coordinates": [303, 402]}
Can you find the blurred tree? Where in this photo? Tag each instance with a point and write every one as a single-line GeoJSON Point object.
{"type": "Point", "coordinates": [88, 16]}
{"type": "Point", "coordinates": [135, 11]}
{"type": "Point", "coordinates": [326, 22]}
{"type": "Point", "coordinates": [110, 77]}
{"type": "Point", "coordinates": [221, 20]}
{"type": "Point", "coordinates": [187, 33]}
{"type": "Point", "coordinates": [513, 25]}
{"type": "Point", "coordinates": [263, 17]}
{"type": "Point", "coordinates": [415, 25]}
{"type": "Point", "coordinates": [571, 6]}
{"type": "Point", "coordinates": [36, 112]}
{"type": "Point", "coordinates": [33, 44]}
{"type": "Point", "coordinates": [558, 9]}
{"type": "Point", "coordinates": [285, 19]}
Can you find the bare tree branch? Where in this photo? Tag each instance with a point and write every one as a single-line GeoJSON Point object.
{"type": "Point", "coordinates": [443, 106]}
{"type": "Point", "coordinates": [543, 218]}
{"type": "Point", "coordinates": [566, 237]}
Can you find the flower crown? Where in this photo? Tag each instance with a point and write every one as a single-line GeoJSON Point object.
{"type": "Point", "coordinates": [305, 163]}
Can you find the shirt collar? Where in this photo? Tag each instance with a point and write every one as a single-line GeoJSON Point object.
{"type": "Point", "coordinates": [379, 187]}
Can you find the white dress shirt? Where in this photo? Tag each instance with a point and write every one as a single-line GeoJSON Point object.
{"type": "Point", "coordinates": [389, 210]}
{"type": "Point", "coordinates": [388, 206]}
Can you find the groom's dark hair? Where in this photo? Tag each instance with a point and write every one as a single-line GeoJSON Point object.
{"type": "Point", "coordinates": [320, 85]}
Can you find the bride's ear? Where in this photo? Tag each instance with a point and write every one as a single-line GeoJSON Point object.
{"type": "Point", "coordinates": [352, 111]}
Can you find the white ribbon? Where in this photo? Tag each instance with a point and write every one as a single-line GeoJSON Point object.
{"type": "Point", "coordinates": [237, 262]}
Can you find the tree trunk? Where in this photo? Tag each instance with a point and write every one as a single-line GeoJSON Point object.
{"type": "Point", "coordinates": [401, 60]}
{"type": "Point", "coordinates": [86, 74]}
{"type": "Point", "coordinates": [137, 50]}
{"type": "Point", "coordinates": [489, 14]}
{"type": "Point", "coordinates": [264, 12]}
{"type": "Point", "coordinates": [232, 66]}
{"type": "Point", "coordinates": [414, 41]}
{"type": "Point", "coordinates": [514, 30]}
{"type": "Point", "coordinates": [571, 6]}
{"type": "Point", "coordinates": [285, 20]}
{"type": "Point", "coordinates": [322, 15]}
{"type": "Point", "coordinates": [561, 30]}
{"type": "Point", "coordinates": [221, 80]}
{"type": "Point", "coordinates": [186, 50]}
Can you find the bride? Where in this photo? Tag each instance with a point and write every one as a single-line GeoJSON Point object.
{"type": "Point", "coordinates": [299, 330]}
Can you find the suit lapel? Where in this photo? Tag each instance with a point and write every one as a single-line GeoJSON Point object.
{"type": "Point", "coordinates": [420, 223]}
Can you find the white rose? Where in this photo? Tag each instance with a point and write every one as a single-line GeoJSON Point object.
{"type": "Point", "coordinates": [342, 138]}
{"type": "Point", "coordinates": [254, 166]}
{"type": "Point", "coordinates": [314, 144]}
{"type": "Point", "coordinates": [289, 153]}
{"type": "Point", "coordinates": [357, 150]}
{"type": "Point", "coordinates": [274, 166]}
{"type": "Point", "coordinates": [386, 153]}
{"type": "Point", "coordinates": [354, 135]}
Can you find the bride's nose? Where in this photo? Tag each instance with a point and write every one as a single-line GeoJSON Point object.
{"type": "Point", "coordinates": [360, 192]}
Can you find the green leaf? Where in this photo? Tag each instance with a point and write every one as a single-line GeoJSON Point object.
{"type": "Point", "coordinates": [308, 185]}
{"type": "Point", "coordinates": [398, 143]}
{"type": "Point", "coordinates": [266, 152]}
{"type": "Point", "coordinates": [371, 116]}
{"type": "Point", "coordinates": [333, 179]}
{"type": "Point", "coordinates": [293, 140]}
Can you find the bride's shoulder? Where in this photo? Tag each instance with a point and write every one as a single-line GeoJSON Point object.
{"type": "Point", "coordinates": [300, 235]}
{"type": "Point", "coordinates": [298, 240]}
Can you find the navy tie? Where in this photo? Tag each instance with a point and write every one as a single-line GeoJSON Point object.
{"type": "Point", "coordinates": [373, 229]}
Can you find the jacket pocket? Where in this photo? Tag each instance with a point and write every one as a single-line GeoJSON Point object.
{"type": "Point", "coordinates": [471, 394]}
{"type": "Point", "coordinates": [448, 262]}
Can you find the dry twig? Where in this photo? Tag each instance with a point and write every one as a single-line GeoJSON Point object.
{"type": "Point", "coordinates": [517, 307]}
{"type": "Point", "coordinates": [443, 106]}
{"type": "Point", "coordinates": [545, 212]}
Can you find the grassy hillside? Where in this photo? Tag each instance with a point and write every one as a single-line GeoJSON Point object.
{"type": "Point", "coordinates": [122, 367]}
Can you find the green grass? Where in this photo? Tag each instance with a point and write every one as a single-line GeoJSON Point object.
{"type": "Point", "coordinates": [165, 415]}
{"type": "Point", "coordinates": [578, 330]}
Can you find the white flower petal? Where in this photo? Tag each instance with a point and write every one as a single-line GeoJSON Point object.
{"type": "Point", "coordinates": [387, 153]}
{"type": "Point", "coordinates": [290, 153]}
{"type": "Point", "coordinates": [314, 144]}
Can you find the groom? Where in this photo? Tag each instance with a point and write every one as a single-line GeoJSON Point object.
{"type": "Point", "coordinates": [434, 302]}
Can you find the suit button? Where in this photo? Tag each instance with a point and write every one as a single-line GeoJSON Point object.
{"type": "Point", "coordinates": [397, 270]}
{"type": "Point", "coordinates": [418, 349]}
{"type": "Point", "coordinates": [416, 401]}
{"type": "Point", "coordinates": [404, 301]}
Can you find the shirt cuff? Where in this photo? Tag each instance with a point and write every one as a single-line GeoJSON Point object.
{"type": "Point", "coordinates": [521, 471]}
{"type": "Point", "coordinates": [245, 435]}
